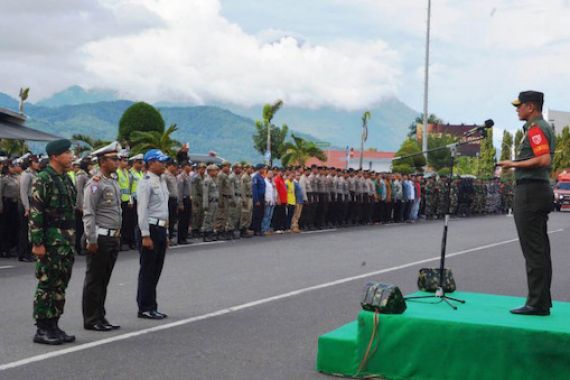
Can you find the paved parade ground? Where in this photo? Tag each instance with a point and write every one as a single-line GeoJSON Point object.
{"type": "Point", "coordinates": [253, 309]}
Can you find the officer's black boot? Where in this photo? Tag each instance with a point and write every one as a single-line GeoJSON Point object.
{"type": "Point", "coordinates": [45, 333]}
{"type": "Point", "coordinates": [229, 235]}
{"type": "Point", "coordinates": [245, 233]}
{"type": "Point", "coordinates": [206, 237]}
{"type": "Point", "coordinates": [236, 234]}
{"type": "Point", "coordinates": [62, 334]}
{"type": "Point", "coordinates": [215, 236]}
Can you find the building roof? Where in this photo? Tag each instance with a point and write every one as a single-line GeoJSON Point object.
{"type": "Point", "coordinates": [12, 128]}
{"type": "Point", "coordinates": [337, 159]}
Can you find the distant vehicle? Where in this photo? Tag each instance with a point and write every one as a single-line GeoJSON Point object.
{"type": "Point", "coordinates": [562, 193]}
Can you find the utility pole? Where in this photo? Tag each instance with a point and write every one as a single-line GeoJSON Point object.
{"type": "Point", "coordinates": [426, 82]}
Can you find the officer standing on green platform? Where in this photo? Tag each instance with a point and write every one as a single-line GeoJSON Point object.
{"type": "Point", "coordinates": [533, 200]}
{"type": "Point", "coordinates": [52, 234]}
{"type": "Point", "coordinates": [102, 225]}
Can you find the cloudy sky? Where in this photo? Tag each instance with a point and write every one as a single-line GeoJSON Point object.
{"type": "Point", "coordinates": [347, 54]}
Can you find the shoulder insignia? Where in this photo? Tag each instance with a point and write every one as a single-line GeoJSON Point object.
{"type": "Point", "coordinates": [94, 188]}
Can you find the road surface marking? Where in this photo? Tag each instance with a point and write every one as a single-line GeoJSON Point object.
{"type": "Point", "coordinates": [244, 306]}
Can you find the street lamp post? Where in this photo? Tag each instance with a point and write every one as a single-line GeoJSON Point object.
{"type": "Point", "coordinates": [426, 82]}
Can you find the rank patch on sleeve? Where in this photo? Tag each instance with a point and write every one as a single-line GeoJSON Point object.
{"type": "Point", "coordinates": [538, 142]}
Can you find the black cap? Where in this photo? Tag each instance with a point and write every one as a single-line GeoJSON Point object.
{"type": "Point", "coordinates": [529, 97]}
{"type": "Point", "coordinates": [259, 166]}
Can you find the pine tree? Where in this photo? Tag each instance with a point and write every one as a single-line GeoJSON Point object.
{"type": "Point", "coordinates": [518, 140]}
{"type": "Point", "coordinates": [487, 157]}
{"type": "Point", "coordinates": [507, 146]}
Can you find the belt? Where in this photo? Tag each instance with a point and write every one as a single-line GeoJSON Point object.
{"type": "Point", "coordinates": [237, 195]}
{"type": "Point", "coordinates": [227, 196]}
{"type": "Point", "coordinates": [108, 232]}
{"type": "Point", "coordinates": [157, 222]}
{"type": "Point", "coordinates": [525, 181]}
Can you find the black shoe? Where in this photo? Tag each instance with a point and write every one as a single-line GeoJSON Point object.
{"type": "Point", "coordinates": [107, 323]}
{"type": "Point", "coordinates": [99, 326]}
{"type": "Point", "coordinates": [156, 312]}
{"type": "Point", "coordinates": [183, 242]}
{"type": "Point", "coordinates": [207, 237]}
{"type": "Point", "coordinates": [150, 315]}
{"type": "Point", "coordinates": [530, 310]}
{"type": "Point", "coordinates": [214, 236]}
{"type": "Point", "coordinates": [45, 334]}
{"type": "Point", "coordinates": [25, 259]}
{"type": "Point", "coordinates": [62, 334]}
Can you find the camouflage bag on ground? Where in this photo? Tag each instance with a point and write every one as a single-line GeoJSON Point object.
{"type": "Point", "coordinates": [383, 298]}
{"type": "Point", "coordinates": [428, 280]}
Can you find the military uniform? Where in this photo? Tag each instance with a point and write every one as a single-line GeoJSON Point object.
{"type": "Point", "coordinates": [197, 203]}
{"type": "Point", "coordinates": [226, 201]}
{"type": "Point", "coordinates": [81, 179]}
{"type": "Point", "coordinates": [172, 186]}
{"type": "Point", "coordinates": [51, 225]}
{"type": "Point", "coordinates": [102, 223]}
{"type": "Point", "coordinates": [136, 177]}
{"type": "Point", "coordinates": [247, 203]}
{"type": "Point", "coordinates": [532, 203]}
{"type": "Point", "coordinates": [128, 225]}
{"type": "Point", "coordinates": [313, 200]}
{"type": "Point", "coordinates": [210, 196]}
{"type": "Point", "coordinates": [184, 206]}
{"type": "Point", "coordinates": [234, 212]}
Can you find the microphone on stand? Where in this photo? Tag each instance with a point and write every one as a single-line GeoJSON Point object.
{"type": "Point", "coordinates": [480, 128]}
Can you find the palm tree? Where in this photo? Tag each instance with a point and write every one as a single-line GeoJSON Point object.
{"type": "Point", "coordinates": [143, 141]}
{"type": "Point", "coordinates": [86, 143]}
{"type": "Point", "coordinates": [14, 147]}
{"type": "Point", "coordinates": [298, 151]}
{"type": "Point", "coordinates": [365, 117]}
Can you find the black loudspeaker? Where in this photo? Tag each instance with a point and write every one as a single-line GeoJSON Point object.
{"type": "Point", "coordinates": [383, 298]}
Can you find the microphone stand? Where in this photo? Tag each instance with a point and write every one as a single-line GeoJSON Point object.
{"type": "Point", "coordinates": [440, 293]}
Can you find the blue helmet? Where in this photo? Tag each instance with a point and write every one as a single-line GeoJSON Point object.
{"type": "Point", "coordinates": [155, 155]}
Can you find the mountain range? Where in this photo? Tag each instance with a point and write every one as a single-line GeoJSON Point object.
{"type": "Point", "coordinates": [223, 128]}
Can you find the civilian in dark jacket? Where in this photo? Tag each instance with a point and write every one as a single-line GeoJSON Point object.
{"type": "Point", "coordinates": [258, 193]}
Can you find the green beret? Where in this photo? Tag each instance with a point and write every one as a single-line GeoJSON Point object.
{"type": "Point", "coordinates": [57, 147]}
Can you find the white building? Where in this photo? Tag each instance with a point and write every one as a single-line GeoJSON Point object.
{"type": "Point", "coordinates": [559, 119]}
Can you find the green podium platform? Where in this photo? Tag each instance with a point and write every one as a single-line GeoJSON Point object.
{"type": "Point", "coordinates": [481, 340]}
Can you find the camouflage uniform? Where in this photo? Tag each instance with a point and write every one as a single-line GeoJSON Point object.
{"type": "Point", "coordinates": [442, 196]}
{"type": "Point", "coordinates": [454, 201]}
{"type": "Point", "coordinates": [235, 207]}
{"type": "Point", "coordinates": [52, 223]}
{"type": "Point", "coordinates": [226, 201]}
{"type": "Point", "coordinates": [429, 195]}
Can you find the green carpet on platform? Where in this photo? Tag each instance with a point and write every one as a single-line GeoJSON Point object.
{"type": "Point", "coordinates": [481, 340]}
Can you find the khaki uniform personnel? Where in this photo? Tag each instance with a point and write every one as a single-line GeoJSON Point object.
{"type": "Point", "coordinates": [210, 198]}
{"type": "Point", "coordinates": [198, 200]}
{"type": "Point", "coordinates": [102, 224]}
{"type": "Point", "coordinates": [52, 236]}
{"type": "Point", "coordinates": [152, 209]}
{"type": "Point", "coordinates": [26, 180]}
{"type": "Point", "coordinates": [184, 183]}
{"type": "Point", "coordinates": [9, 204]}
{"type": "Point", "coordinates": [533, 200]}
{"type": "Point", "coordinates": [227, 200]}
{"type": "Point", "coordinates": [172, 185]}
{"type": "Point", "coordinates": [247, 202]}
{"type": "Point", "coordinates": [234, 212]}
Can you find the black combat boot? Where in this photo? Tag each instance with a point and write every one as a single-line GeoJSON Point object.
{"type": "Point", "coordinates": [229, 235]}
{"type": "Point", "coordinates": [215, 236]}
{"type": "Point", "coordinates": [236, 234]}
{"type": "Point", "coordinates": [62, 334]}
{"type": "Point", "coordinates": [46, 334]}
{"type": "Point", "coordinates": [205, 237]}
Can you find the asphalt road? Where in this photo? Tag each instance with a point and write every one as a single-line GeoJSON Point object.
{"type": "Point", "coordinates": [253, 309]}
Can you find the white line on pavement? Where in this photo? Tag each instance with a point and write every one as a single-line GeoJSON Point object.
{"type": "Point", "coordinates": [244, 306]}
{"type": "Point", "coordinates": [319, 231]}
{"type": "Point", "coordinates": [7, 267]}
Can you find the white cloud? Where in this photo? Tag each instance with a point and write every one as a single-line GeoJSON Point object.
{"type": "Point", "coordinates": [200, 56]}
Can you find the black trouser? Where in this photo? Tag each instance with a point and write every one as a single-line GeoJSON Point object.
{"type": "Point", "coordinates": [257, 216]}
{"type": "Point", "coordinates": [280, 218]}
{"type": "Point", "coordinates": [24, 246]}
{"type": "Point", "coordinates": [99, 267]}
{"type": "Point", "coordinates": [388, 211]}
{"type": "Point", "coordinates": [290, 212]}
{"type": "Point", "coordinates": [407, 207]}
{"type": "Point", "coordinates": [184, 216]}
{"type": "Point", "coordinates": [323, 210]}
{"type": "Point", "coordinates": [151, 263]}
{"type": "Point", "coordinates": [127, 224]}
{"type": "Point", "coordinates": [304, 213]}
{"type": "Point", "coordinates": [172, 216]}
{"type": "Point", "coordinates": [9, 225]}
{"type": "Point", "coordinates": [312, 209]}
{"type": "Point", "coordinates": [79, 230]}
{"type": "Point", "coordinates": [532, 203]}
{"type": "Point", "coordinates": [398, 211]}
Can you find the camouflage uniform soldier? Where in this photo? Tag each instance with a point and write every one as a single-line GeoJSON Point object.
{"type": "Point", "coordinates": [442, 197]}
{"type": "Point", "coordinates": [247, 202]}
{"type": "Point", "coordinates": [210, 197]}
{"type": "Point", "coordinates": [227, 199]}
{"type": "Point", "coordinates": [234, 212]}
{"type": "Point", "coordinates": [52, 234]}
{"type": "Point", "coordinates": [198, 200]}
{"type": "Point", "coordinates": [454, 201]}
{"type": "Point", "coordinates": [429, 198]}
